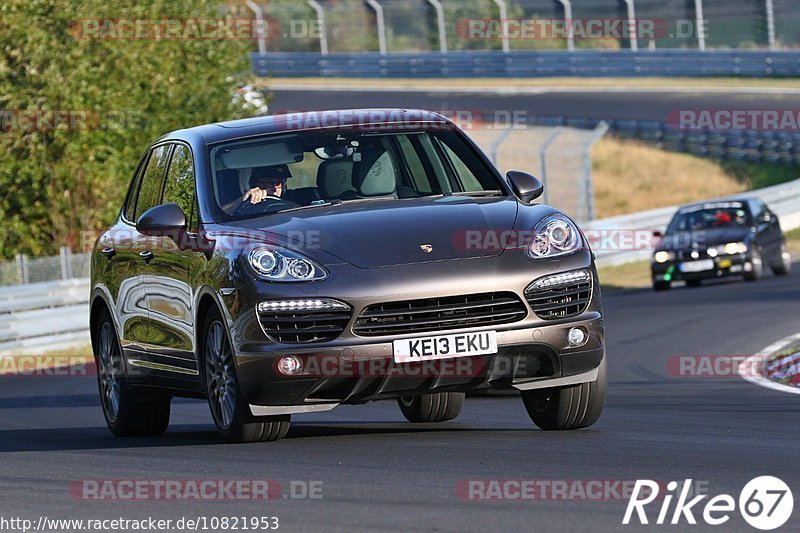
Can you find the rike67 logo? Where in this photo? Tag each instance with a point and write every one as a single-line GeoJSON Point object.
{"type": "Point", "coordinates": [765, 503]}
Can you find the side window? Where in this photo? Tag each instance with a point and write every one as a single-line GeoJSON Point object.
{"type": "Point", "coordinates": [150, 189]}
{"type": "Point", "coordinates": [130, 202]}
{"type": "Point", "coordinates": [465, 175]}
{"type": "Point", "coordinates": [415, 166]}
{"type": "Point", "coordinates": [179, 187]}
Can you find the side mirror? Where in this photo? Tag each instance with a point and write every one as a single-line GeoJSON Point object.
{"type": "Point", "coordinates": [526, 186]}
{"type": "Point", "coordinates": [158, 220]}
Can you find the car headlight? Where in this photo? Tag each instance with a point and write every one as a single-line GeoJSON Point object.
{"type": "Point", "coordinates": [554, 235]}
{"type": "Point", "coordinates": [279, 264]}
{"type": "Point", "coordinates": [732, 248]}
{"type": "Point", "coordinates": [663, 256]}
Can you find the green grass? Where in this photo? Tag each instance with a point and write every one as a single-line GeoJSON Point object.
{"type": "Point", "coordinates": [628, 276]}
{"type": "Point", "coordinates": [793, 242]}
{"type": "Point", "coordinates": [758, 175]}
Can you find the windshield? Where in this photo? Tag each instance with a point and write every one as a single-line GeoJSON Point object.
{"type": "Point", "coordinates": [281, 172]}
{"type": "Point", "coordinates": [728, 215]}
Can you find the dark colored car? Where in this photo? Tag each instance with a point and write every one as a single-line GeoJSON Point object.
{"type": "Point", "coordinates": [714, 239]}
{"type": "Point", "coordinates": [290, 264]}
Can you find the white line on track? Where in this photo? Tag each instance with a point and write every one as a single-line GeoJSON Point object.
{"type": "Point", "coordinates": [749, 369]}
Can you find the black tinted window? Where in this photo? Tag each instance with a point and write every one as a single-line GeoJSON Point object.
{"type": "Point", "coordinates": [179, 187]}
{"type": "Point", "coordinates": [130, 202]}
{"type": "Point", "coordinates": [150, 189]}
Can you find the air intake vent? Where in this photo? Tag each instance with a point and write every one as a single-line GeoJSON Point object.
{"type": "Point", "coordinates": [435, 314]}
{"type": "Point", "coordinates": [561, 295]}
{"type": "Point", "coordinates": [301, 321]}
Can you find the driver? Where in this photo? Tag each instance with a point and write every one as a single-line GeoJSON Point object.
{"type": "Point", "coordinates": [265, 182]}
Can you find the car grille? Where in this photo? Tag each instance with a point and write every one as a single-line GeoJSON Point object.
{"type": "Point", "coordinates": [560, 302]}
{"type": "Point", "coordinates": [432, 314]}
{"type": "Point", "coordinates": [292, 327]}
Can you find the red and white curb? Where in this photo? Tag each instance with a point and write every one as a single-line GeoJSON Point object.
{"type": "Point", "coordinates": [753, 368]}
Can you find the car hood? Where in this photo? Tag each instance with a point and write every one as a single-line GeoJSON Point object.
{"type": "Point", "coordinates": [698, 240]}
{"type": "Point", "coordinates": [380, 233]}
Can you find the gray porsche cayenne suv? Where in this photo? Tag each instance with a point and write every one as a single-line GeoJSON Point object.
{"type": "Point", "coordinates": [289, 264]}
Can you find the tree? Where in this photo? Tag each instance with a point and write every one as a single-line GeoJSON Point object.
{"type": "Point", "coordinates": [116, 95]}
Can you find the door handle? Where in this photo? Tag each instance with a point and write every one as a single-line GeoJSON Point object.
{"type": "Point", "coordinates": [146, 255]}
{"type": "Point", "coordinates": [108, 252]}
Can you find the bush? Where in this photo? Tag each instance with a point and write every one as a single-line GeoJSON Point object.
{"type": "Point", "coordinates": [58, 181]}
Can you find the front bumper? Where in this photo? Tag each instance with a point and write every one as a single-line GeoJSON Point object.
{"type": "Point", "coordinates": [722, 266]}
{"type": "Point", "coordinates": [532, 352]}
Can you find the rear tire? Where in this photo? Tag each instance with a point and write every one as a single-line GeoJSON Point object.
{"type": "Point", "coordinates": [784, 264]}
{"type": "Point", "coordinates": [758, 267]}
{"type": "Point", "coordinates": [126, 415]}
{"type": "Point", "coordinates": [436, 407]}
{"type": "Point", "coordinates": [230, 412]}
{"type": "Point", "coordinates": [693, 283]}
{"type": "Point", "coordinates": [662, 285]}
{"type": "Point", "coordinates": [571, 407]}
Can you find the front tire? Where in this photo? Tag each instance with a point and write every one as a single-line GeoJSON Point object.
{"type": "Point", "coordinates": [693, 282]}
{"type": "Point", "coordinates": [126, 415]}
{"type": "Point", "coordinates": [571, 407]}
{"type": "Point", "coordinates": [230, 412]}
{"type": "Point", "coordinates": [757, 268]}
{"type": "Point", "coordinates": [784, 264]}
{"type": "Point", "coordinates": [662, 285]}
{"type": "Point", "coordinates": [436, 407]}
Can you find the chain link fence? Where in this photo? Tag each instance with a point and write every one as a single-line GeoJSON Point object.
{"type": "Point", "coordinates": [23, 269]}
{"type": "Point", "coordinates": [559, 156]}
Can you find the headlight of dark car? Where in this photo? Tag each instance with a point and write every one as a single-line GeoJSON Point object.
{"type": "Point", "coordinates": [663, 256]}
{"type": "Point", "coordinates": [274, 263]}
{"type": "Point", "coordinates": [553, 236]}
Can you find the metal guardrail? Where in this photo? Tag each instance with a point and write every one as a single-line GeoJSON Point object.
{"type": "Point", "coordinates": [530, 64]}
{"type": "Point", "coordinates": [44, 316]}
{"type": "Point", "coordinates": [779, 147]}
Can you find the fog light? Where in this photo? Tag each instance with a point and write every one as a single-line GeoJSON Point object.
{"type": "Point", "coordinates": [289, 365]}
{"type": "Point", "coordinates": [576, 336]}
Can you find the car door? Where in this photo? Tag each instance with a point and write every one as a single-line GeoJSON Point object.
{"type": "Point", "coordinates": [167, 274]}
{"type": "Point", "coordinates": [120, 269]}
{"type": "Point", "coordinates": [133, 289]}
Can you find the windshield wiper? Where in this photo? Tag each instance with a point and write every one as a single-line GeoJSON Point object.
{"type": "Point", "coordinates": [475, 193]}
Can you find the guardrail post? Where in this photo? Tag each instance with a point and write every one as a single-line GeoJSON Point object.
{"type": "Point", "coordinates": [381, 25]}
{"type": "Point", "coordinates": [770, 25]}
{"type": "Point", "coordinates": [543, 159]}
{"type": "Point", "coordinates": [500, 140]}
{"type": "Point", "coordinates": [701, 23]}
{"type": "Point", "coordinates": [568, 20]}
{"type": "Point", "coordinates": [501, 4]}
{"type": "Point", "coordinates": [323, 34]}
{"type": "Point", "coordinates": [66, 262]}
{"type": "Point", "coordinates": [262, 40]}
{"type": "Point", "coordinates": [22, 268]}
{"type": "Point", "coordinates": [633, 30]}
{"type": "Point", "coordinates": [586, 178]}
{"type": "Point", "coordinates": [437, 5]}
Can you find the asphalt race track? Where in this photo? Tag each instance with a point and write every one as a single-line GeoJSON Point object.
{"type": "Point", "coordinates": [377, 471]}
{"type": "Point", "coordinates": [591, 104]}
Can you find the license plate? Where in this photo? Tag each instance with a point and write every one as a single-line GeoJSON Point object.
{"type": "Point", "coordinates": [697, 266]}
{"type": "Point", "coordinates": [445, 346]}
